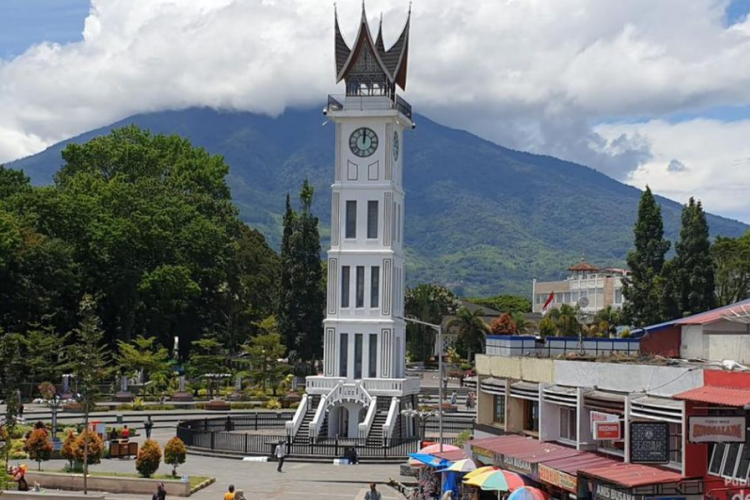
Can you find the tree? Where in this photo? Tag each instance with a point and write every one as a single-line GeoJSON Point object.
{"type": "Point", "coordinates": [504, 303]}
{"type": "Point", "coordinates": [10, 373]}
{"type": "Point", "coordinates": [88, 359]}
{"type": "Point", "coordinates": [264, 351]}
{"type": "Point", "coordinates": [470, 329]}
{"type": "Point", "coordinates": [43, 347]}
{"type": "Point", "coordinates": [640, 286]}
{"type": "Point", "coordinates": [504, 325]}
{"type": "Point", "coordinates": [88, 450]}
{"type": "Point", "coordinates": [175, 454]}
{"type": "Point", "coordinates": [523, 326]}
{"type": "Point", "coordinates": [68, 450]}
{"type": "Point", "coordinates": [149, 457]}
{"type": "Point", "coordinates": [142, 355]}
{"type": "Point", "coordinates": [302, 299]}
{"type": "Point", "coordinates": [430, 303]}
{"type": "Point", "coordinates": [731, 257]}
{"type": "Point", "coordinates": [689, 278]}
{"type": "Point", "coordinates": [565, 321]}
{"type": "Point", "coordinates": [38, 446]}
{"type": "Point", "coordinates": [207, 359]}
{"type": "Point", "coordinates": [607, 320]}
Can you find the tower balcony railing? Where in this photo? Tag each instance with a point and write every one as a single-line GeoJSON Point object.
{"type": "Point", "coordinates": [342, 102]}
{"type": "Point", "coordinates": [374, 386]}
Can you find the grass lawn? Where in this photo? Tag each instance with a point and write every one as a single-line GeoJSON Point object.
{"type": "Point", "coordinates": [194, 480]}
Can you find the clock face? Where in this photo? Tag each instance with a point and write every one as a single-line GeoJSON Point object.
{"type": "Point", "coordinates": [363, 142]}
{"type": "Point", "coordinates": [396, 146]}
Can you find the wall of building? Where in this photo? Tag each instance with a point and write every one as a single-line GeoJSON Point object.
{"type": "Point", "coordinates": [517, 368]}
{"type": "Point", "coordinates": [664, 342]}
{"type": "Point", "coordinates": [655, 380]}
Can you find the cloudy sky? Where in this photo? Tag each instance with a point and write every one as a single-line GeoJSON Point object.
{"type": "Point", "coordinates": [646, 91]}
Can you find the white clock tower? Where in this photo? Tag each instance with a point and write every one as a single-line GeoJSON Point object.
{"type": "Point", "coordinates": [363, 388]}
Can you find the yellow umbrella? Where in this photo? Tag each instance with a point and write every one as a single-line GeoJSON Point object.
{"type": "Point", "coordinates": [479, 471]}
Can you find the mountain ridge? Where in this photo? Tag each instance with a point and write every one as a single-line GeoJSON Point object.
{"type": "Point", "coordinates": [479, 217]}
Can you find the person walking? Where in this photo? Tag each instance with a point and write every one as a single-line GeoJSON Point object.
{"type": "Point", "coordinates": [373, 494]}
{"type": "Point", "coordinates": [454, 398]}
{"type": "Point", "coordinates": [147, 426]}
{"type": "Point", "coordinates": [280, 455]}
{"type": "Point", "coordinates": [229, 495]}
{"type": "Point", "coordinates": [161, 492]}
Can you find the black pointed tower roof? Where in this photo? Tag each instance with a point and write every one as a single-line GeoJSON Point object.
{"type": "Point", "coordinates": [392, 62]}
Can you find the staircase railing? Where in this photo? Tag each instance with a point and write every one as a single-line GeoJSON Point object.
{"type": "Point", "coordinates": [319, 418]}
{"type": "Point", "coordinates": [364, 427]}
{"type": "Point", "coordinates": [390, 422]}
{"type": "Point", "coordinates": [292, 426]}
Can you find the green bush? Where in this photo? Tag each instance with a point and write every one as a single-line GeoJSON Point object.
{"type": "Point", "coordinates": [175, 454]}
{"type": "Point", "coordinates": [294, 405]}
{"type": "Point", "coordinates": [273, 404]}
{"type": "Point", "coordinates": [149, 457]}
{"type": "Point", "coordinates": [243, 406]}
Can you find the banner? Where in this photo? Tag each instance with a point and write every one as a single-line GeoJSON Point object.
{"type": "Point", "coordinates": [558, 478]}
{"type": "Point", "coordinates": [717, 429]}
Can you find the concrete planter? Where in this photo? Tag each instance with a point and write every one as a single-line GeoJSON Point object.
{"type": "Point", "coordinates": [110, 484]}
{"type": "Point", "coordinates": [34, 495]}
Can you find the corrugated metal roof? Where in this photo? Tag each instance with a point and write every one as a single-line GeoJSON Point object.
{"type": "Point", "coordinates": [632, 475]}
{"type": "Point", "coordinates": [452, 455]}
{"type": "Point", "coordinates": [571, 465]}
{"type": "Point", "coordinates": [725, 396]}
{"type": "Point", "coordinates": [710, 316]}
{"type": "Point", "coordinates": [525, 448]}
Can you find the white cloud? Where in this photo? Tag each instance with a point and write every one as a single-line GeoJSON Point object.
{"type": "Point", "coordinates": [531, 74]}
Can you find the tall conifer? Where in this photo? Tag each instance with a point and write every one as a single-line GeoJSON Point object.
{"type": "Point", "coordinates": [690, 276]}
{"type": "Point", "coordinates": [641, 287]}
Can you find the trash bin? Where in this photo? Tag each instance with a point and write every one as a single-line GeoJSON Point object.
{"type": "Point", "coordinates": [119, 418]}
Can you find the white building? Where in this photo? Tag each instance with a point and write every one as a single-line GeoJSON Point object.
{"type": "Point", "coordinates": [363, 388]}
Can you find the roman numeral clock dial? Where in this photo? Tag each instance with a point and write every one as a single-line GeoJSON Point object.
{"type": "Point", "coordinates": [363, 142]}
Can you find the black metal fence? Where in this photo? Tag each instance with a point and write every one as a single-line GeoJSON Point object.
{"type": "Point", "coordinates": [250, 422]}
{"type": "Point", "coordinates": [212, 434]}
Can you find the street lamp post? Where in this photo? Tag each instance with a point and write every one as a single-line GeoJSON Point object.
{"type": "Point", "coordinates": [439, 330]}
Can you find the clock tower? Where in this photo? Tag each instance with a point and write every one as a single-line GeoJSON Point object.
{"type": "Point", "coordinates": [363, 388]}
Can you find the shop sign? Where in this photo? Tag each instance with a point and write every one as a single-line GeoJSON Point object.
{"type": "Point", "coordinates": [607, 431]}
{"type": "Point", "coordinates": [518, 465]}
{"type": "Point", "coordinates": [558, 478]}
{"type": "Point", "coordinates": [599, 416]}
{"type": "Point", "coordinates": [717, 429]}
{"type": "Point", "coordinates": [604, 492]}
{"type": "Point", "coordinates": [649, 442]}
{"type": "Point", "coordinates": [483, 455]}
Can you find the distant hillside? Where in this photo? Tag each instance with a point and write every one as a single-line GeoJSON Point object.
{"type": "Point", "coordinates": [480, 218]}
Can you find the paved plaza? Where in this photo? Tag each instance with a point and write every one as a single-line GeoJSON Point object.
{"type": "Point", "coordinates": [309, 481]}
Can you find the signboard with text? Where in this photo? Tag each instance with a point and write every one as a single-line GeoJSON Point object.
{"type": "Point", "coordinates": [518, 465]}
{"type": "Point", "coordinates": [558, 478]}
{"type": "Point", "coordinates": [484, 455]}
{"type": "Point", "coordinates": [607, 431]}
{"type": "Point", "coordinates": [599, 416]}
{"type": "Point", "coordinates": [605, 492]}
{"type": "Point", "coordinates": [717, 429]}
{"type": "Point", "coordinates": [649, 442]}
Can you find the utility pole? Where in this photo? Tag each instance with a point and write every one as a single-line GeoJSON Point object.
{"type": "Point", "coordinates": [439, 330]}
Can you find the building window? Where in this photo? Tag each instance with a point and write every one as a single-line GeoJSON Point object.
{"type": "Point", "coordinates": [375, 286]}
{"type": "Point", "coordinates": [343, 354]}
{"type": "Point", "coordinates": [730, 461]}
{"type": "Point", "coordinates": [358, 356]}
{"type": "Point", "coordinates": [675, 443]}
{"type": "Point", "coordinates": [351, 219]}
{"type": "Point", "coordinates": [372, 368]}
{"type": "Point", "coordinates": [568, 424]}
{"type": "Point", "coordinates": [372, 219]}
{"type": "Point", "coordinates": [345, 281]}
{"type": "Point", "coordinates": [567, 298]}
{"type": "Point", "coordinates": [499, 416]}
{"type": "Point", "coordinates": [360, 287]}
{"type": "Point", "coordinates": [531, 416]}
{"type": "Point", "coordinates": [618, 296]}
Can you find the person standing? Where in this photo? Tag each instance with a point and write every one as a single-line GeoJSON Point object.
{"type": "Point", "coordinates": [373, 494]}
{"type": "Point", "coordinates": [229, 495]}
{"type": "Point", "coordinates": [125, 434]}
{"type": "Point", "coordinates": [161, 492]}
{"type": "Point", "coordinates": [280, 455]}
{"type": "Point", "coordinates": [147, 426]}
{"type": "Point", "coordinates": [454, 398]}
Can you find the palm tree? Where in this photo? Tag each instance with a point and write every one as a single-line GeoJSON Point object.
{"type": "Point", "coordinates": [470, 328]}
{"type": "Point", "coordinates": [565, 320]}
{"type": "Point", "coordinates": [523, 326]}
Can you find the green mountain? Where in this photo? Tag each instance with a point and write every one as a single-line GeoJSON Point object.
{"type": "Point", "coordinates": [480, 218]}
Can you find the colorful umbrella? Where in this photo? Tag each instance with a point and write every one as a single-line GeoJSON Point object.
{"type": "Point", "coordinates": [479, 471]}
{"type": "Point", "coordinates": [435, 448]}
{"type": "Point", "coordinates": [528, 493]}
{"type": "Point", "coordinates": [426, 459]}
{"type": "Point", "coordinates": [465, 465]}
{"type": "Point", "coordinates": [498, 480]}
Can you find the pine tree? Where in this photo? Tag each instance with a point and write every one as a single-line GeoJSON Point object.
{"type": "Point", "coordinates": [302, 298]}
{"type": "Point", "coordinates": [641, 287]}
{"type": "Point", "coordinates": [689, 278]}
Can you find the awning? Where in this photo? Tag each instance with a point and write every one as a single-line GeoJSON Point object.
{"type": "Point", "coordinates": [563, 472]}
{"type": "Point", "coordinates": [451, 456]}
{"type": "Point", "coordinates": [632, 475]}
{"type": "Point", "coordinates": [724, 396]}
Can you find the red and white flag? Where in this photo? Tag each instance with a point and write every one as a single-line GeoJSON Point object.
{"type": "Point", "coordinates": [548, 303]}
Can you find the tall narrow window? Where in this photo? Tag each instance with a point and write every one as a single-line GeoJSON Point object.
{"type": "Point", "coordinates": [345, 280]}
{"type": "Point", "coordinates": [351, 219]}
{"type": "Point", "coordinates": [360, 287]}
{"type": "Point", "coordinates": [343, 354]}
{"type": "Point", "coordinates": [372, 219]}
{"type": "Point", "coordinates": [372, 366]}
{"type": "Point", "coordinates": [358, 356]}
{"type": "Point", "coordinates": [375, 286]}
